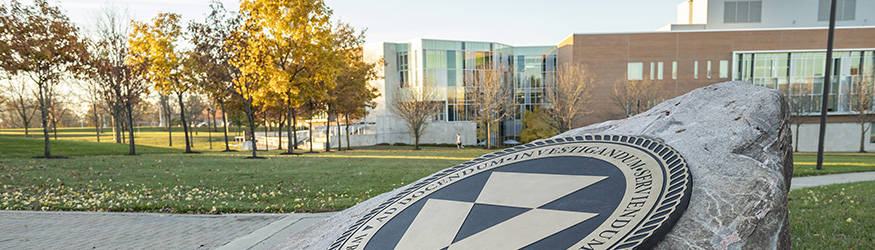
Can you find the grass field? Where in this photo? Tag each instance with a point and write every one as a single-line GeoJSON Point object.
{"type": "Point", "coordinates": [99, 177]}
{"type": "Point", "coordinates": [833, 217]}
{"type": "Point", "coordinates": [833, 163]}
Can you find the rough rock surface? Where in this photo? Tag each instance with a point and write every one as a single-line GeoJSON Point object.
{"type": "Point", "coordinates": [736, 140]}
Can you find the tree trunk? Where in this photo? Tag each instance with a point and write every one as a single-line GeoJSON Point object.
{"type": "Point", "coordinates": [339, 136]}
{"type": "Point", "coordinates": [251, 127]}
{"type": "Point", "coordinates": [225, 124]}
{"type": "Point", "coordinates": [279, 132]}
{"type": "Point", "coordinates": [863, 137]}
{"type": "Point", "coordinates": [797, 137]}
{"type": "Point", "coordinates": [115, 130]}
{"type": "Point", "coordinates": [328, 129]}
{"type": "Point", "coordinates": [488, 136]}
{"type": "Point", "coordinates": [215, 127]}
{"type": "Point", "coordinates": [347, 132]}
{"type": "Point", "coordinates": [96, 122]}
{"type": "Point", "coordinates": [266, 131]}
{"type": "Point", "coordinates": [44, 117]}
{"type": "Point", "coordinates": [292, 138]}
{"type": "Point", "coordinates": [184, 123]}
{"type": "Point", "coordinates": [165, 104]}
{"type": "Point", "coordinates": [123, 126]}
{"type": "Point", "coordinates": [130, 111]}
{"type": "Point", "coordinates": [416, 140]}
{"type": "Point", "coordinates": [295, 127]}
{"type": "Point", "coordinates": [310, 128]}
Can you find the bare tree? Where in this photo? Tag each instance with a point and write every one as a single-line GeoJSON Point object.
{"type": "Point", "coordinates": [492, 100]}
{"type": "Point", "coordinates": [122, 75]}
{"type": "Point", "coordinates": [636, 96]}
{"type": "Point", "coordinates": [860, 94]}
{"type": "Point", "coordinates": [570, 95]}
{"type": "Point", "coordinates": [799, 100]}
{"type": "Point", "coordinates": [416, 106]}
{"type": "Point", "coordinates": [20, 102]}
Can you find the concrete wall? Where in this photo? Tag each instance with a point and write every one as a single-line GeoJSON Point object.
{"type": "Point", "coordinates": [391, 129]}
{"type": "Point", "coordinates": [840, 137]}
{"type": "Point", "coordinates": [789, 14]}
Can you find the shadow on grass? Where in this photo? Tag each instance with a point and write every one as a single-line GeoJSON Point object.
{"type": "Point", "coordinates": [51, 157]}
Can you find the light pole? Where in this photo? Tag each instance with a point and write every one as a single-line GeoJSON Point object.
{"type": "Point", "coordinates": [209, 131]}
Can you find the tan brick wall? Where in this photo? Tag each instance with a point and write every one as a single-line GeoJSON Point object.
{"type": "Point", "coordinates": [607, 56]}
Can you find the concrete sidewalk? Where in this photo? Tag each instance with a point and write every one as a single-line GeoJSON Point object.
{"type": "Point", "coordinates": [95, 230]}
{"type": "Point", "coordinates": [822, 180]}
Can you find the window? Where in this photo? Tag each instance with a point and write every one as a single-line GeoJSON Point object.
{"type": "Point", "coordinates": [845, 10]}
{"type": "Point", "coordinates": [652, 66]}
{"type": "Point", "coordinates": [708, 69]}
{"type": "Point", "coordinates": [674, 70]}
{"type": "Point", "coordinates": [635, 71]}
{"type": "Point", "coordinates": [724, 68]}
{"type": "Point", "coordinates": [696, 69]}
{"type": "Point", "coordinates": [659, 69]}
{"type": "Point", "coordinates": [743, 11]}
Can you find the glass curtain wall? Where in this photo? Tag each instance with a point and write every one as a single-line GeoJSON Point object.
{"type": "Point", "coordinates": [800, 75]}
{"type": "Point", "coordinates": [449, 65]}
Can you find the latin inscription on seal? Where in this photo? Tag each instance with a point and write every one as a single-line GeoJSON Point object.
{"type": "Point", "coordinates": [589, 192]}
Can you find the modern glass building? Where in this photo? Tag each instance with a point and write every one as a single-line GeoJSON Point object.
{"type": "Point", "coordinates": [449, 66]}
{"type": "Point", "coordinates": [800, 74]}
{"type": "Point", "coordinates": [778, 44]}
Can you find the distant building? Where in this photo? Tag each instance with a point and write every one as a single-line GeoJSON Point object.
{"type": "Point", "coordinates": [778, 44]}
{"type": "Point", "coordinates": [447, 65]}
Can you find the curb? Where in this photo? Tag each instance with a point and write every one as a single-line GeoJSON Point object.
{"type": "Point", "coordinates": [275, 233]}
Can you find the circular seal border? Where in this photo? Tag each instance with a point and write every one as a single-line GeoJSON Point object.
{"type": "Point", "coordinates": [672, 204]}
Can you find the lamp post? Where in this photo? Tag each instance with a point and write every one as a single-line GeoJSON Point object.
{"type": "Point", "coordinates": [209, 131]}
{"type": "Point", "coordinates": [826, 82]}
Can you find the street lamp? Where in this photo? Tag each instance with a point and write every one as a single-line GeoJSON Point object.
{"type": "Point", "coordinates": [209, 130]}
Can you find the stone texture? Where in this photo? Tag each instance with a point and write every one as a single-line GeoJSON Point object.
{"type": "Point", "coordinates": [736, 140]}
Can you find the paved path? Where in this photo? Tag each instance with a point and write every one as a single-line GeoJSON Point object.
{"type": "Point", "coordinates": [92, 230]}
{"type": "Point", "coordinates": [822, 180]}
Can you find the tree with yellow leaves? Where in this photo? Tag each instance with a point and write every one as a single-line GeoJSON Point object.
{"type": "Point", "coordinates": [154, 45]}
{"type": "Point", "coordinates": [250, 76]}
{"type": "Point", "coordinates": [295, 36]}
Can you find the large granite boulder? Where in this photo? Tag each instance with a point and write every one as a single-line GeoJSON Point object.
{"type": "Point", "coordinates": [736, 141]}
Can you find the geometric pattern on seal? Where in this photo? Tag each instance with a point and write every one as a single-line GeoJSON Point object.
{"type": "Point", "coordinates": [680, 185]}
{"type": "Point", "coordinates": [439, 221]}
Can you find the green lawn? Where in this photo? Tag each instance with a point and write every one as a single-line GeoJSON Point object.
{"type": "Point", "coordinates": [99, 177]}
{"type": "Point", "coordinates": [833, 217]}
{"type": "Point", "coordinates": [145, 136]}
{"type": "Point", "coordinates": [214, 182]}
{"type": "Point", "coordinates": [804, 164]}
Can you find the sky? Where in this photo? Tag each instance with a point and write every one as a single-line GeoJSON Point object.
{"type": "Point", "coordinates": [513, 22]}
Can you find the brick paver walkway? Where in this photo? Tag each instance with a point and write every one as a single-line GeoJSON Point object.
{"type": "Point", "coordinates": [93, 230]}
